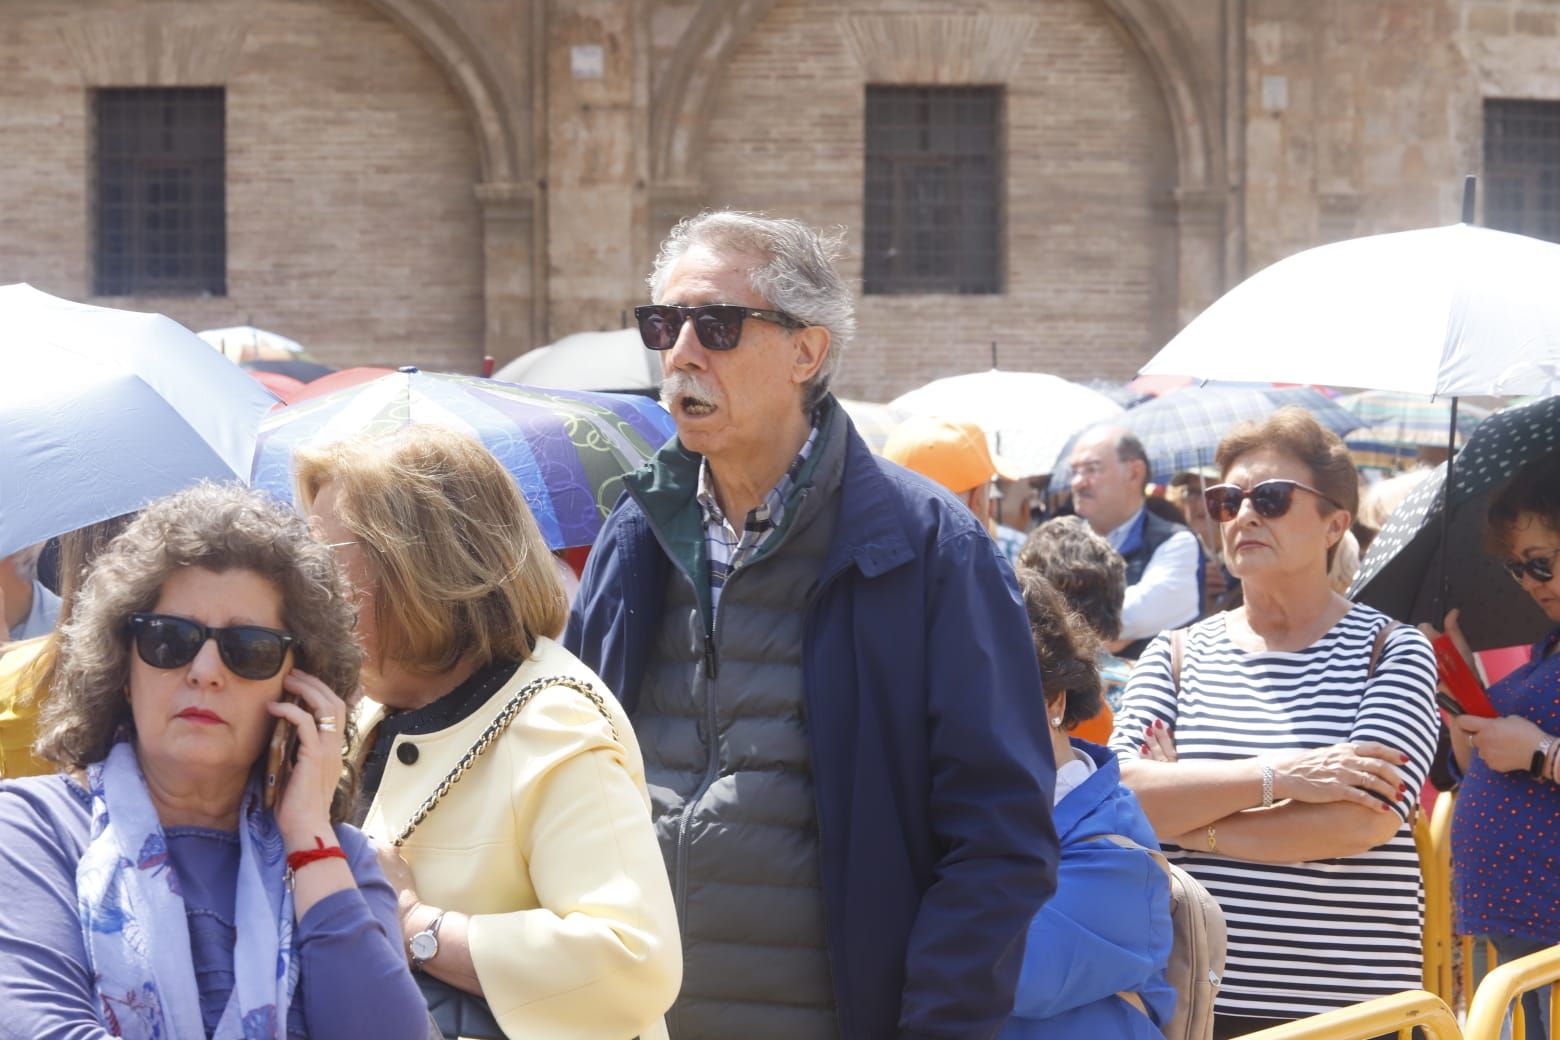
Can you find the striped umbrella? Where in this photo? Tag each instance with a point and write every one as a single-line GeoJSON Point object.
{"type": "Point", "coordinates": [1181, 431]}
{"type": "Point", "coordinates": [567, 449]}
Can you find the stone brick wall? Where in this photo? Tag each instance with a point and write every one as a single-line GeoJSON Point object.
{"type": "Point", "coordinates": [428, 179]}
{"type": "Point", "coordinates": [352, 223]}
{"type": "Point", "coordinates": [1089, 257]}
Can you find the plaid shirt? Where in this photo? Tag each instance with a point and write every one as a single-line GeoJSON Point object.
{"type": "Point", "coordinates": [728, 550]}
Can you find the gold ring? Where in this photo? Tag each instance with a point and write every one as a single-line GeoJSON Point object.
{"type": "Point", "coordinates": [327, 724]}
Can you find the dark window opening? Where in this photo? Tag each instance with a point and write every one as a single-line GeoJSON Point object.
{"type": "Point", "coordinates": [161, 196]}
{"type": "Point", "coordinates": [1522, 167]}
{"type": "Point", "coordinates": [933, 205]}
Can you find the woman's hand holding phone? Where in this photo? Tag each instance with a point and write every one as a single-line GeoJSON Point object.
{"type": "Point", "coordinates": [304, 792]}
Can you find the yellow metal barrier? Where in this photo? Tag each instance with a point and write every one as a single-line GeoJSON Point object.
{"type": "Point", "coordinates": [1504, 985]}
{"type": "Point", "coordinates": [1433, 840]}
{"type": "Point", "coordinates": [1401, 1013]}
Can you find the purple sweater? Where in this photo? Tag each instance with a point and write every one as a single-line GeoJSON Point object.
{"type": "Point", "coordinates": [353, 980]}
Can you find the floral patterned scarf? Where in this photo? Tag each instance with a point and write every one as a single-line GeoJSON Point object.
{"type": "Point", "coordinates": [133, 918]}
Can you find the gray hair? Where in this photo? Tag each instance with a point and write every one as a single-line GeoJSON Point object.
{"type": "Point", "coordinates": [1090, 575]}
{"type": "Point", "coordinates": [796, 274]}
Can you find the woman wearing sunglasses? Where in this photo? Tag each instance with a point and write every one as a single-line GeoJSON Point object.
{"type": "Point", "coordinates": [150, 891]}
{"type": "Point", "coordinates": [1278, 748]}
{"type": "Point", "coordinates": [1506, 830]}
{"type": "Point", "coordinates": [528, 870]}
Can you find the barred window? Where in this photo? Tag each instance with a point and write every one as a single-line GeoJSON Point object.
{"type": "Point", "coordinates": [161, 199]}
{"type": "Point", "coordinates": [933, 200]}
{"type": "Point", "coordinates": [1522, 167]}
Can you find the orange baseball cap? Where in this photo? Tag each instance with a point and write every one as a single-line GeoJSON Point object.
{"type": "Point", "coordinates": [952, 453]}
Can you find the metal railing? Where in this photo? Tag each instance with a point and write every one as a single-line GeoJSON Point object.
{"type": "Point", "coordinates": [1401, 1013]}
{"type": "Point", "coordinates": [1499, 990]}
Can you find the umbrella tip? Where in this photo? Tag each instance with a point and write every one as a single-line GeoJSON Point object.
{"type": "Point", "coordinates": [410, 370]}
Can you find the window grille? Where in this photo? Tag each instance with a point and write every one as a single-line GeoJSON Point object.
{"type": "Point", "coordinates": [1522, 167]}
{"type": "Point", "coordinates": [161, 197]}
{"type": "Point", "coordinates": [933, 193]}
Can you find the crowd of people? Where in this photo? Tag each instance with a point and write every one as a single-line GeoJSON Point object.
{"type": "Point", "coordinates": [825, 744]}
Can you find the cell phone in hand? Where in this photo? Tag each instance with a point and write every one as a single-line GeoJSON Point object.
{"type": "Point", "coordinates": [280, 757]}
{"type": "Point", "coordinates": [1459, 679]}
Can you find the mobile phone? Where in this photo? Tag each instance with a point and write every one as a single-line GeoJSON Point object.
{"type": "Point", "coordinates": [1459, 679]}
{"type": "Point", "coordinates": [280, 757]}
{"type": "Point", "coordinates": [1448, 705]}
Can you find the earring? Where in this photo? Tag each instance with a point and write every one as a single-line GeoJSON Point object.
{"type": "Point", "coordinates": [1056, 721]}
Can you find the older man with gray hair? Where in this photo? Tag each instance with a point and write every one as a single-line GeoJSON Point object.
{"type": "Point", "coordinates": [830, 672]}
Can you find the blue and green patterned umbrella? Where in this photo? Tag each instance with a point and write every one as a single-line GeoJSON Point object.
{"type": "Point", "coordinates": [567, 449]}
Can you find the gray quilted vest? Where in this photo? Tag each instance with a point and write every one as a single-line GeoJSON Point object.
{"type": "Point", "coordinates": [730, 774]}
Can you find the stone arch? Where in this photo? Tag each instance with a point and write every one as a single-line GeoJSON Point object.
{"type": "Point", "coordinates": [681, 104]}
{"type": "Point", "coordinates": [467, 67]}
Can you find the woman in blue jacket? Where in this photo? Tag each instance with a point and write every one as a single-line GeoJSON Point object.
{"type": "Point", "coordinates": [1107, 929]}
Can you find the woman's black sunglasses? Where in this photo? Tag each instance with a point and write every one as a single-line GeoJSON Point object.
{"type": "Point", "coordinates": [1539, 568]}
{"type": "Point", "coordinates": [249, 651]}
{"type": "Point", "coordinates": [1271, 498]}
{"type": "Point", "coordinates": [718, 325]}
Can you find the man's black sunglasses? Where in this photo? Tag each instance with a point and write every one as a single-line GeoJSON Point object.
{"type": "Point", "coordinates": [718, 325]}
{"type": "Point", "coordinates": [1271, 498]}
{"type": "Point", "coordinates": [1540, 568]}
{"type": "Point", "coordinates": [249, 651]}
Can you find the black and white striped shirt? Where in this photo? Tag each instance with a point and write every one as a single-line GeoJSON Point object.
{"type": "Point", "coordinates": [1303, 937]}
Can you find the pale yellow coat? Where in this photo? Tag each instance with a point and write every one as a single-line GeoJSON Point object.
{"type": "Point", "coordinates": [547, 843]}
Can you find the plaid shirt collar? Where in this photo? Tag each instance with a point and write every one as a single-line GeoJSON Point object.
{"type": "Point", "coordinates": [727, 548]}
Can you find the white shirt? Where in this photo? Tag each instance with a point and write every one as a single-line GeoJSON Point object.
{"type": "Point", "coordinates": [1166, 595]}
{"type": "Point", "coordinates": [1071, 775]}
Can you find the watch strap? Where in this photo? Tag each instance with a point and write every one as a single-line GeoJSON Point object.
{"type": "Point", "coordinates": [1536, 766]}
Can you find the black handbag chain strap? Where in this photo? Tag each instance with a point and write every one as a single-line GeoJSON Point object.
{"type": "Point", "coordinates": [491, 733]}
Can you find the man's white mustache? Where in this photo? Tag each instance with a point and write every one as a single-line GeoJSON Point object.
{"type": "Point", "coordinates": [679, 385]}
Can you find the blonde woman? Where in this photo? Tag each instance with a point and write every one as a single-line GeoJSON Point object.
{"type": "Point", "coordinates": [535, 882]}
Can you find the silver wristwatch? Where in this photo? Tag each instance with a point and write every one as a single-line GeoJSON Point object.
{"type": "Point", "coordinates": [424, 946]}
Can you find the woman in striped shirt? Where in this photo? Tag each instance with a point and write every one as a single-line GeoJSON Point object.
{"type": "Point", "coordinates": [1278, 748]}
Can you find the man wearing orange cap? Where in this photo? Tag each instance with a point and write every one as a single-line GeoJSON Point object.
{"type": "Point", "coordinates": [954, 454]}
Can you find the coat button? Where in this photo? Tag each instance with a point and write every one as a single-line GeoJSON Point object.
{"type": "Point", "coordinates": [407, 753]}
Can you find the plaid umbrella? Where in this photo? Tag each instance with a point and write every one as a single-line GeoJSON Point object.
{"type": "Point", "coordinates": [873, 421]}
{"type": "Point", "coordinates": [1181, 430]}
{"type": "Point", "coordinates": [1401, 572]}
{"type": "Point", "coordinates": [567, 449]}
{"type": "Point", "coordinates": [1395, 426]}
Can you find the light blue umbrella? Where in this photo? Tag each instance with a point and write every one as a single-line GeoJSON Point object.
{"type": "Point", "coordinates": [104, 410]}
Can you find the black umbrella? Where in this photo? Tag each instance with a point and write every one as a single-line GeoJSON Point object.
{"type": "Point", "coordinates": [1401, 573]}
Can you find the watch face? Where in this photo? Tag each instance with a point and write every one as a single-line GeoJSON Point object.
{"type": "Point", "coordinates": [424, 945]}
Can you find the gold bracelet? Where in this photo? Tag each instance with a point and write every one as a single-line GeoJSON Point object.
{"type": "Point", "coordinates": [1213, 840]}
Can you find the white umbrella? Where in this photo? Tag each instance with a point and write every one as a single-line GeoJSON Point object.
{"type": "Point", "coordinates": [613, 361]}
{"type": "Point", "coordinates": [239, 343]}
{"type": "Point", "coordinates": [1027, 415]}
{"type": "Point", "coordinates": [1450, 311]}
{"type": "Point", "coordinates": [103, 410]}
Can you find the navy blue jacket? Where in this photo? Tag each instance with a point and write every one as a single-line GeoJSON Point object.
{"type": "Point", "coordinates": [1106, 931]}
{"type": "Point", "coordinates": [932, 768]}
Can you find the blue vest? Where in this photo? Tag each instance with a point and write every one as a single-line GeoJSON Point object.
{"type": "Point", "coordinates": [1142, 542]}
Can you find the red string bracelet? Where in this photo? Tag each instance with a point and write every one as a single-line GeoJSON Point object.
{"type": "Point", "coordinates": [296, 861]}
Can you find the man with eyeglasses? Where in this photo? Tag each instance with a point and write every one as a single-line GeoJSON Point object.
{"type": "Point", "coordinates": [1164, 559]}
{"type": "Point", "coordinates": [830, 672]}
